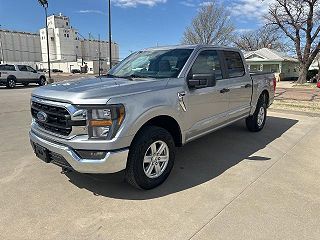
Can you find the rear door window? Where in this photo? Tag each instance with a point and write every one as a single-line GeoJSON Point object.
{"type": "Point", "coordinates": [234, 64]}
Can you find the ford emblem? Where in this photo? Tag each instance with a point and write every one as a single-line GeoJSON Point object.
{"type": "Point", "coordinates": [42, 116]}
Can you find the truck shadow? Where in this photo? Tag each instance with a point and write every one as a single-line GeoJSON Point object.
{"type": "Point", "coordinates": [196, 163]}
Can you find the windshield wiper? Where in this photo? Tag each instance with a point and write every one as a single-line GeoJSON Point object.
{"type": "Point", "coordinates": [108, 75]}
{"type": "Point", "coordinates": [130, 77]}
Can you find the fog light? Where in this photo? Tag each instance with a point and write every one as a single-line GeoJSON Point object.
{"type": "Point", "coordinates": [91, 154]}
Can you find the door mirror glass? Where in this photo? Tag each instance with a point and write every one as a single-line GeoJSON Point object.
{"type": "Point", "coordinates": [201, 80]}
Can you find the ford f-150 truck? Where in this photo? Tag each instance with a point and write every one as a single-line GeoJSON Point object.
{"type": "Point", "coordinates": [153, 101]}
{"type": "Point", "coordinates": [13, 74]}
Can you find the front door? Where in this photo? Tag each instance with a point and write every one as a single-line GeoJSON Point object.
{"type": "Point", "coordinates": [206, 107]}
{"type": "Point", "coordinates": [33, 74]}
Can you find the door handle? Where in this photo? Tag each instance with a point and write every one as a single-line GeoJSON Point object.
{"type": "Point", "coordinates": [181, 96]}
{"type": "Point", "coordinates": [224, 90]}
{"type": "Point", "coordinates": [247, 86]}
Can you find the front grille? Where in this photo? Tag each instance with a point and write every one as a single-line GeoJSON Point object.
{"type": "Point", "coordinates": [57, 121]}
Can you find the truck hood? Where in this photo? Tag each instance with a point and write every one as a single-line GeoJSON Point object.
{"type": "Point", "coordinates": [96, 90]}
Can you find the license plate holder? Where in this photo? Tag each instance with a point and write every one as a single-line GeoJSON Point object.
{"type": "Point", "coordinates": [42, 153]}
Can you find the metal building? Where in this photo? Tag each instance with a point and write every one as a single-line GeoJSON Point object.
{"type": "Point", "coordinates": [19, 46]}
{"type": "Point", "coordinates": [66, 45]}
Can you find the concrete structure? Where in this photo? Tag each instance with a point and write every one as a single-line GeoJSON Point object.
{"type": "Point", "coordinates": [67, 49]}
{"type": "Point", "coordinates": [268, 60]}
{"type": "Point", "coordinates": [19, 46]}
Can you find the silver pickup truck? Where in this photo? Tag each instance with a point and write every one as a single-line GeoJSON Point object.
{"type": "Point", "coordinates": [153, 101]}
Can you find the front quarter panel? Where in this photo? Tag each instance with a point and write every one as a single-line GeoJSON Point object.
{"type": "Point", "coordinates": [141, 108]}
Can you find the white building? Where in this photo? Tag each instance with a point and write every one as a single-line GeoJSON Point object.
{"type": "Point", "coordinates": [66, 46]}
{"type": "Point", "coordinates": [67, 50]}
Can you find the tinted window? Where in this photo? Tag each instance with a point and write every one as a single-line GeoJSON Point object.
{"type": "Point", "coordinates": [23, 68]}
{"type": "Point", "coordinates": [207, 62]}
{"type": "Point", "coordinates": [7, 68]}
{"type": "Point", "coordinates": [30, 69]}
{"type": "Point", "coordinates": [234, 63]}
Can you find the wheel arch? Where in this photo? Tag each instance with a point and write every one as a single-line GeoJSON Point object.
{"type": "Point", "coordinates": [167, 122]}
{"type": "Point", "coordinates": [12, 77]}
{"type": "Point", "coordinates": [257, 97]}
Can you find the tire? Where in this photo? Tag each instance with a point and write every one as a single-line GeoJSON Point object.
{"type": "Point", "coordinates": [25, 84]}
{"type": "Point", "coordinates": [146, 170]}
{"type": "Point", "coordinates": [42, 81]}
{"type": "Point", "coordinates": [256, 122]}
{"type": "Point", "coordinates": [11, 83]}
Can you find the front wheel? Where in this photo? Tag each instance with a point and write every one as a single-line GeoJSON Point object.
{"type": "Point", "coordinates": [42, 81]}
{"type": "Point", "coordinates": [11, 83]}
{"type": "Point", "coordinates": [151, 158]}
{"type": "Point", "coordinates": [256, 122]}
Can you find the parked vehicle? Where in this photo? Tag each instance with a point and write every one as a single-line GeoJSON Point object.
{"type": "Point", "coordinates": [312, 76]}
{"type": "Point", "coordinates": [57, 71]}
{"type": "Point", "coordinates": [74, 71]}
{"type": "Point", "coordinates": [153, 101]}
{"type": "Point", "coordinates": [12, 74]}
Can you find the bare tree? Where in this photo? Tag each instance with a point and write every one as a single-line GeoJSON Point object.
{"type": "Point", "coordinates": [212, 25]}
{"type": "Point", "coordinates": [300, 21]}
{"type": "Point", "coordinates": [266, 37]}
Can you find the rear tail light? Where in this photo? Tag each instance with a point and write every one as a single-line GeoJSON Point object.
{"type": "Point", "coordinates": [274, 84]}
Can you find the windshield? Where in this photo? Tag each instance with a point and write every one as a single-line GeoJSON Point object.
{"type": "Point", "coordinates": [152, 64]}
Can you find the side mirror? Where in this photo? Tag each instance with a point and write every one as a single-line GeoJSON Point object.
{"type": "Point", "coordinates": [201, 81]}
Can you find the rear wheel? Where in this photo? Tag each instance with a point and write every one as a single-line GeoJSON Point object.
{"type": "Point", "coordinates": [256, 122]}
{"type": "Point", "coordinates": [42, 81]}
{"type": "Point", "coordinates": [11, 83]}
{"type": "Point", "coordinates": [151, 158]}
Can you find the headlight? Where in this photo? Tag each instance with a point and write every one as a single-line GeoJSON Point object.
{"type": "Point", "coordinates": [103, 123]}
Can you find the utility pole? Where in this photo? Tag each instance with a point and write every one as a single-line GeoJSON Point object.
{"type": "Point", "coordinates": [110, 36]}
{"type": "Point", "coordinates": [1, 45]}
{"type": "Point", "coordinates": [99, 57]}
{"type": "Point", "coordinates": [44, 4]}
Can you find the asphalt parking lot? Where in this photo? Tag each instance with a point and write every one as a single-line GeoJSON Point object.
{"type": "Point", "coordinates": [231, 184]}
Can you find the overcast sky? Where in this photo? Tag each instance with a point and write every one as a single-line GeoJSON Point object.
{"type": "Point", "coordinates": [136, 23]}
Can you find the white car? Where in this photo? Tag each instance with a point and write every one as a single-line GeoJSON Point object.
{"type": "Point", "coordinates": [12, 74]}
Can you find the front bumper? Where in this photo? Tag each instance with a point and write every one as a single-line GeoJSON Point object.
{"type": "Point", "coordinates": [114, 161]}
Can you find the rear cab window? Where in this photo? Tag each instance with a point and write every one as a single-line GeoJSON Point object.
{"type": "Point", "coordinates": [234, 64]}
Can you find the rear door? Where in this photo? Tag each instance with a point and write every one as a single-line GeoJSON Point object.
{"type": "Point", "coordinates": [206, 107]}
{"type": "Point", "coordinates": [239, 84]}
